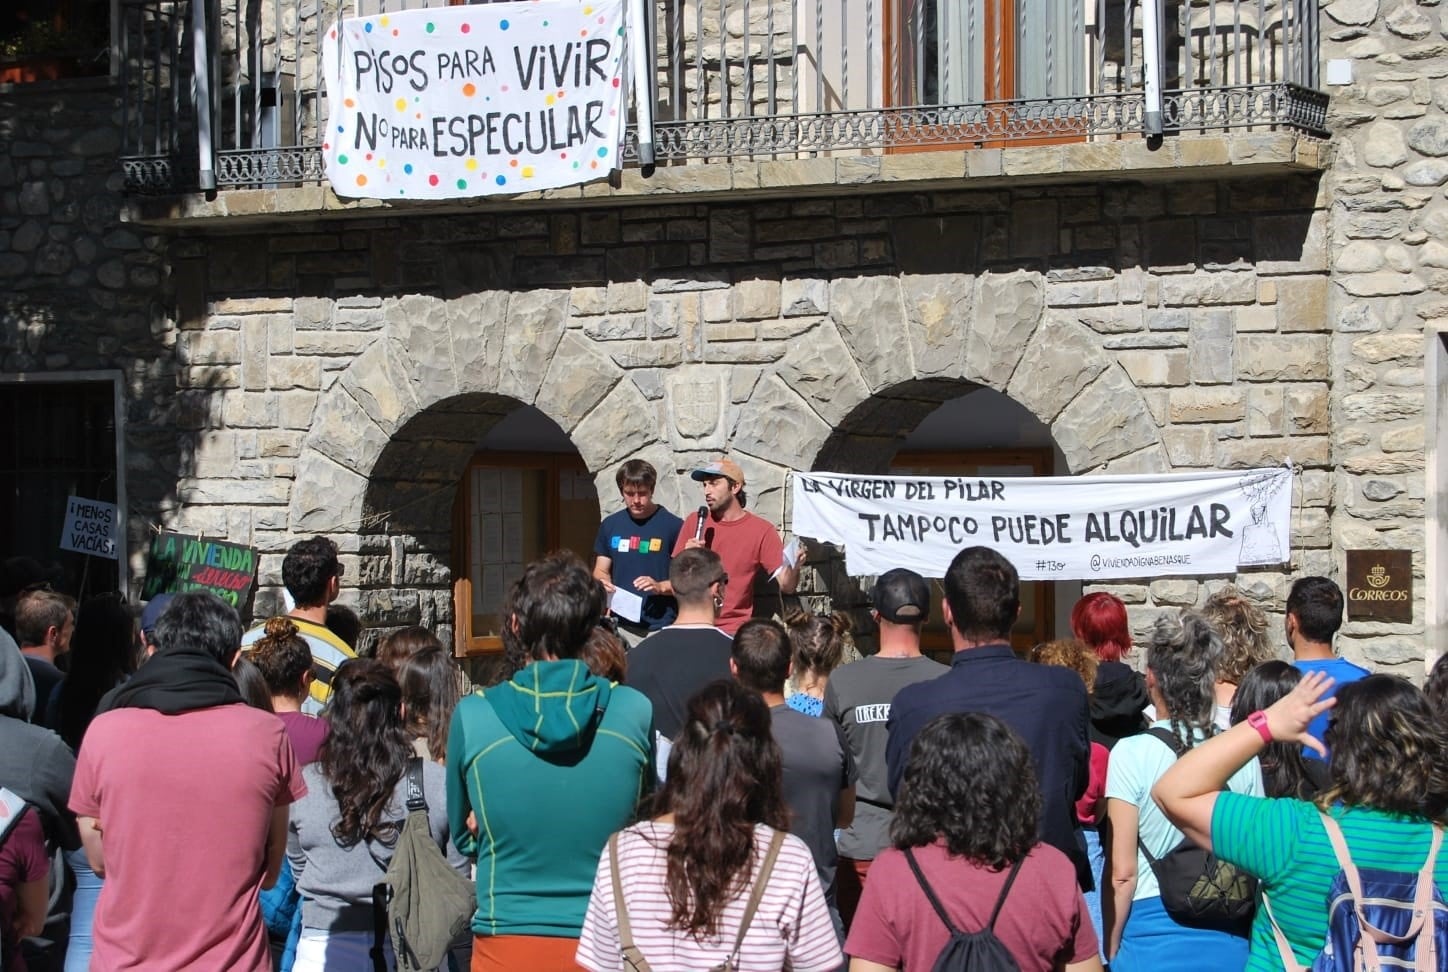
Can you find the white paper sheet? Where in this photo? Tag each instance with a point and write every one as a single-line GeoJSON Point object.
{"type": "Point", "coordinates": [627, 605]}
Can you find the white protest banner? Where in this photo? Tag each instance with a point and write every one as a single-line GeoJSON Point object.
{"type": "Point", "coordinates": [90, 528]}
{"type": "Point", "coordinates": [1053, 528]}
{"type": "Point", "coordinates": [449, 102]}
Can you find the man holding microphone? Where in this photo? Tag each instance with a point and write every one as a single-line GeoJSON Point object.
{"type": "Point", "coordinates": [746, 544]}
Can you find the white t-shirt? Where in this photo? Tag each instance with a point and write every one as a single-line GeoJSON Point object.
{"type": "Point", "coordinates": [792, 923]}
{"type": "Point", "coordinates": [1137, 762]}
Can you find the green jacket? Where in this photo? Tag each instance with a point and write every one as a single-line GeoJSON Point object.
{"type": "Point", "coordinates": [551, 763]}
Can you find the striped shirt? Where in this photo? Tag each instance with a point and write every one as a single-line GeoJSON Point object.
{"type": "Point", "coordinates": [792, 923]}
{"type": "Point", "coordinates": [1283, 843]}
{"type": "Point", "coordinates": [328, 654]}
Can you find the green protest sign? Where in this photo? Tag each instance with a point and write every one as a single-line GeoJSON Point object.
{"type": "Point", "coordinates": [178, 563]}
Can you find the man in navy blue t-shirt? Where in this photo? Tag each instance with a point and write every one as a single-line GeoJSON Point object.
{"type": "Point", "coordinates": [633, 550]}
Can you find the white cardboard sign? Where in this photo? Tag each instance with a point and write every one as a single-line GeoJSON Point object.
{"type": "Point", "coordinates": [91, 527]}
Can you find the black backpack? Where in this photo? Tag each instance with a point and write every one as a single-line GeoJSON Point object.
{"type": "Point", "coordinates": [1198, 889]}
{"type": "Point", "coordinates": [979, 951]}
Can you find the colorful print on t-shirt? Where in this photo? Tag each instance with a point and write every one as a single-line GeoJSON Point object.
{"type": "Point", "coordinates": [643, 545]}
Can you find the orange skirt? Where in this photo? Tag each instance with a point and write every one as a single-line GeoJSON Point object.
{"type": "Point", "coordinates": [536, 953]}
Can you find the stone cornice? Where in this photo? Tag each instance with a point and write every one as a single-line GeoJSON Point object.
{"type": "Point", "coordinates": [1198, 157]}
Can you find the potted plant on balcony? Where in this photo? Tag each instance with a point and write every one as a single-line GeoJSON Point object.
{"type": "Point", "coordinates": [42, 51]}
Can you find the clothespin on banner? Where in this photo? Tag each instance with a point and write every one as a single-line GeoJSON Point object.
{"type": "Point", "coordinates": [1301, 490]}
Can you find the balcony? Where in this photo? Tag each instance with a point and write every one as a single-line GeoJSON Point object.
{"type": "Point", "coordinates": [762, 80]}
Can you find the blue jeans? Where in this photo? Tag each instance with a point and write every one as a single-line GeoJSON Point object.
{"type": "Point", "coordinates": [1096, 856]}
{"type": "Point", "coordinates": [82, 911]}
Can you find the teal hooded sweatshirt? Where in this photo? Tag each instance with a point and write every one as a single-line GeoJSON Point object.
{"type": "Point", "coordinates": [551, 763]}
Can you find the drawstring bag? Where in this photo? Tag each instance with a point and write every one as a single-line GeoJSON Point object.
{"type": "Point", "coordinates": [977, 951]}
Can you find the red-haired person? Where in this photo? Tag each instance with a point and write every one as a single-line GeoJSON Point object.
{"type": "Point", "coordinates": [1118, 694]}
{"type": "Point", "coordinates": [1118, 697]}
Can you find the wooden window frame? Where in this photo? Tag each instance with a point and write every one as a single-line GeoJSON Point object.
{"type": "Point", "coordinates": [552, 464]}
{"type": "Point", "coordinates": [1000, 32]}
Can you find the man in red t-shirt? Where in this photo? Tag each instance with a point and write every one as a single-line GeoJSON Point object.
{"type": "Point", "coordinates": [746, 544]}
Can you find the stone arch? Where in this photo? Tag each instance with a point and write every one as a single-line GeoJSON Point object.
{"type": "Point", "coordinates": [889, 349]}
{"type": "Point", "coordinates": [391, 435]}
{"type": "Point", "coordinates": [846, 373]}
{"type": "Point", "coordinates": [446, 360]}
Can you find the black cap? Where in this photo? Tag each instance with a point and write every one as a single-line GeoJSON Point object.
{"type": "Point", "coordinates": [901, 596]}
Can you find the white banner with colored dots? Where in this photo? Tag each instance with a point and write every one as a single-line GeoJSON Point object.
{"type": "Point", "coordinates": [1054, 528]}
{"type": "Point", "coordinates": [450, 102]}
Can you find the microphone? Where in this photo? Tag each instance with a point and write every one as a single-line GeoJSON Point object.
{"type": "Point", "coordinates": [703, 515]}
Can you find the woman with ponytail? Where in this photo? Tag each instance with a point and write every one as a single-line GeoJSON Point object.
{"type": "Point", "coordinates": [677, 888]}
{"type": "Point", "coordinates": [285, 663]}
{"type": "Point", "coordinates": [342, 833]}
{"type": "Point", "coordinates": [1182, 664]}
{"type": "Point", "coordinates": [818, 644]}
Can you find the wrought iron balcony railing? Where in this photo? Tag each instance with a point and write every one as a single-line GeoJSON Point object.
{"type": "Point", "coordinates": [760, 79]}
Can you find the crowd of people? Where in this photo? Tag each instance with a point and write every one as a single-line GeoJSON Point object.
{"type": "Point", "coordinates": [682, 783]}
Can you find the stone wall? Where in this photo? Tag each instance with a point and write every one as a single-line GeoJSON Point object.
{"type": "Point", "coordinates": [336, 380]}
{"type": "Point", "coordinates": [79, 291]}
{"type": "Point", "coordinates": [1389, 222]}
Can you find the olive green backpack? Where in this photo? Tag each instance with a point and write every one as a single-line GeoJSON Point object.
{"type": "Point", "coordinates": [421, 901]}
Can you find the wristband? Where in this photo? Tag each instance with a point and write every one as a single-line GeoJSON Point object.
{"type": "Point", "coordinates": [1258, 721]}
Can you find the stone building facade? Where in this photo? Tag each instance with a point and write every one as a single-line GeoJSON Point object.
{"type": "Point", "coordinates": [293, 363]}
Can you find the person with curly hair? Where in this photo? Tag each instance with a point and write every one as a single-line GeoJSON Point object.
{"type": "Point", "coordinates": [972, 839]}
{"type": "Point", "coordinates": [817, 642]}
{"type": "Point", "coordinates": [683, 879]}
{"type": "Point", "coordinates": [1091, 808]}
{"type": "Point", "coordinates": [1387, 754]}
{"type": "Point", "coordinates": [1181, 672]}
{"type": "Point", "coordinates": [1245, 644]}
{"type": "Point", "coordinates": [342, 833]}
{"type": "Point", "coordinates": [1436, 689]}
{"type": "Point", "coordinates": [285, 662]}
{"type": "Point", "coordinates": [1045, 706]}
{"type": "Point", "coordinates": [1118, 693]}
